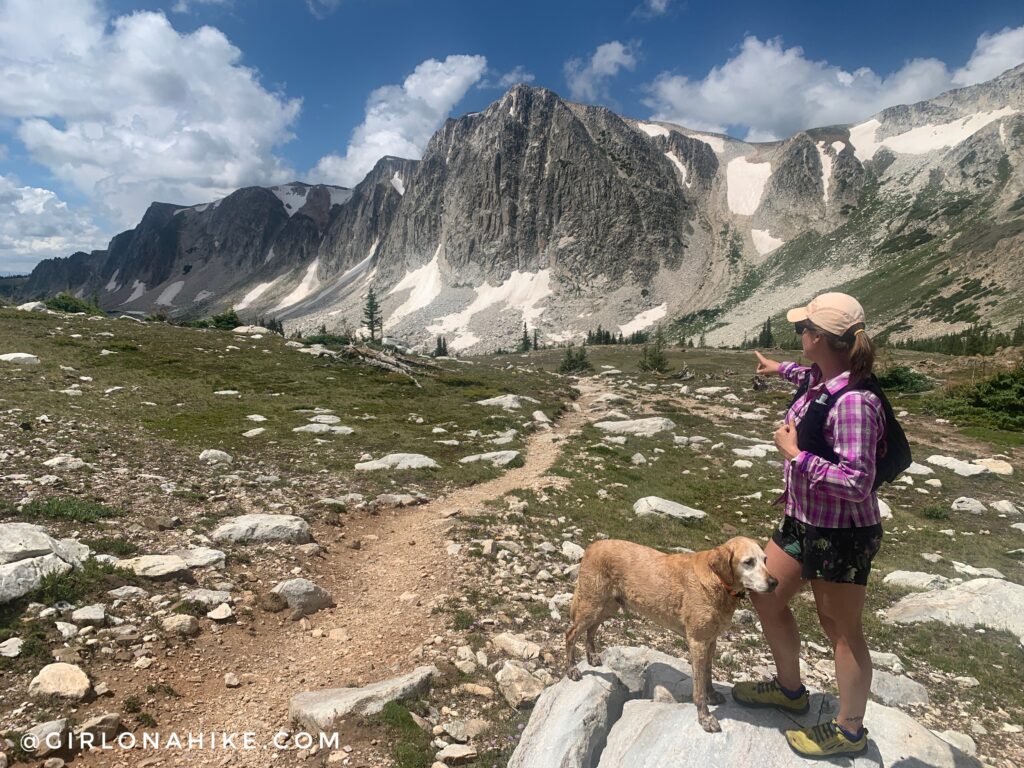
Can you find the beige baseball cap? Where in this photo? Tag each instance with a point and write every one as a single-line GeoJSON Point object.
{"type": "Point", "coordinates": [832, 312]}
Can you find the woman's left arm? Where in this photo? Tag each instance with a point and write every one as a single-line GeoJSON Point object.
{"type": "Point", "coordinates": [857, 422]}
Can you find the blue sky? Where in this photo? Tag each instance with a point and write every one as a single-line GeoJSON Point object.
{"type": "Point", "coordinates": [110, 105]}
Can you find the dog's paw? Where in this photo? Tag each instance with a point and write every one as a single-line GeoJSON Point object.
{"type": "Point", "coordinates": [594, 659]}
{"type": "Point", "coordinates": [574, 674]}
{"type": "Point", "coordinates": [714, 697]}
{"type": "Point", "coordinates": [709, 723]}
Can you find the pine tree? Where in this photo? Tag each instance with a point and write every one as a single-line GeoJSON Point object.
{"type": "Point", "coordinates": [535, 339]}
{"type": "Point", "coordinates": [652, 356]}
{"type": "Point", "coordinates": [439, 349]}
{"type": "Point", "coordinates": [524, 343]}
{"type": "Point", "coordinates": [373, 319]}
{"type": "Point", "coordinates": [766, 338]}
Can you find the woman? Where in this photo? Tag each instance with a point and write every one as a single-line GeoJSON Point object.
{"type": "Point", "coordinates": [831, 528]}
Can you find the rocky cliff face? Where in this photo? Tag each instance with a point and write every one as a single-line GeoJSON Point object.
{"type": "Point", "coordinates": [567, 216]}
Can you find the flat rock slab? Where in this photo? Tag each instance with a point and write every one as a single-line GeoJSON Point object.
{"type": "Point", "coordinates": [158, 567]}
{"type": "Point", "coordinates": [19, 358]}
{"type": "Point", "coordinates": [917, 580]}
{"type": "Point", "coordinates": [324, 429]}
{"type": "Point", "coordinates": [23, 576]}
{"type": "Point", "coordinates": [665, 735]}
{"type": "Point", "coordinates": [495, 458]}
{"type": "Point", "coordinates": [960, 467]}
{"type": "Point", "coordinates": [641, 427]}
{"type": "Point", "coordinates": [399, 461]}
{"type": "Point", "coordinates": [508, 402]}
{"type": "Point", "coordinates": [264, 528]}
{"type": "Point", "coordinates": [323, 710]}
{"type": "Point", "coordinates": [654, 505]}
{"type": "Point", "coordinates": [201, 557]}
{"type": "Point", "coordinates": [979, 601]}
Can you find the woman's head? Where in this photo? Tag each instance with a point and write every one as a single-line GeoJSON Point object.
{"type": "Point", "coordinates": [831, 327]}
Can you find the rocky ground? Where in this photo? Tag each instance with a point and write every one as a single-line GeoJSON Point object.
{"type": "Point", "coordinates": [451, 583]}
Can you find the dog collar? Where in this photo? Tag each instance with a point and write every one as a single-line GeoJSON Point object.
{"type": "Point", "coordinates": [729, 588]}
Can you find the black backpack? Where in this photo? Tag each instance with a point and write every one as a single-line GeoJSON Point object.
{"type": "Point", "coordinates": [893, 453]}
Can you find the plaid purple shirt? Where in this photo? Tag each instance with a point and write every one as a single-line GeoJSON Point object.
{"type": "Point", "coordinates": [819, 492]}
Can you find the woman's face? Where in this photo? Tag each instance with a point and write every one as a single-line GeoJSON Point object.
{"type": "Point", "coordinates": [807, 337]}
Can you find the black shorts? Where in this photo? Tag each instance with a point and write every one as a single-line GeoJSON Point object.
{"type": "Point", "coordinates": [838, 555]}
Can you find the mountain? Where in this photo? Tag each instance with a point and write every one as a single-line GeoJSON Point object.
{"type": "Point", "coordinates": [566, 216]}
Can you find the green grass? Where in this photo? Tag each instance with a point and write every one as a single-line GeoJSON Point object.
{"type": "Point", "coordinates": [410, 744]}
{"type": "Point", "coordinates": [108, 545]}
{"type": "Point", "coordinates": [68, 508]}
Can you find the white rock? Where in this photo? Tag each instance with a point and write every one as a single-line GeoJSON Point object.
{"type": "Point", "coordinates": [213, 456]}
{"type": "Point", "coordinates": [324, 429]}
{"type": "Point", "coordinates": [642, 427]}
{"type": "Point", "coordinates": [11, 648]}
{"type": "Point", "coordinates": [64, 461]}
{"type": "Point", "coordinates": [157, 567]}
{"type": "Point", "coordinates": [201, 557]}
{"type": "Point", "coordinates": [222, 612]}
{"type": "Point", "coordinates": [995, 466]}
{"type": "Point", "coordinates": [979, 601]}
{"type": "Point", "coordinates": [516, 646]}
{"type": "Point", "coordinates": [916, 580]}
{"type": "Point", "coordinates": [962, 468]}
{"type": "Point", "coordinates": [967, 504]}
{"type": "Point", "coordinates": [253, 432]}
{"type": "Point", "coordinates": [323, 710]}
{"type": "Point", "coordinates": [32, 306]}
{"type": "Point", "coordinates": [1005, 507]}
{"type": "Point", "coordinates": [884, 510]}
{"type": "Point", "coordinates": [897, 690]}
{"type": "Point", "coordinates": [263, 528]}
{"type": "Point", "coordinates": [541, 418]}
{"type": "Point", "coordinates": [399, 461]}
{"type": "Point", "coordinates": [495, 458]}
{"type": "Point", "coordinates": [517, 685]}
{"type": "Point", "coordinates": [303, 595]}
{"type": "Point", "coordinates": [654, 505]}
{"type": "Point", "coordinates": [94, 615]}
{"type": "Point", "coordinates": [918, 469]}
{"type": "Point", "coordinates": [19, 358]}
{"type": "Point", "coordinates": [66, 681]}
{"type": "Point", "coordinates": [180, 624]}
{"type": "Point", "coordinates": [572, 551]}
{"type": "Point", "coordinates": [508, 402]}
{"type": "Point", "coordinates": [970, 570]}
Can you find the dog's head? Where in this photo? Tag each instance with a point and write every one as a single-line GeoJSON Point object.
{"type": "Point", "coordinates": [741, 561]}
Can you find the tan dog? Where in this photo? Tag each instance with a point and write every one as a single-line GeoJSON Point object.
{"type": "Point", "coordinates": [692, 594]}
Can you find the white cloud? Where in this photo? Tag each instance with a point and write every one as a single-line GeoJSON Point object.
{"type": "Point", "coordinates": [35, 224]}
{"type": "Point", "coordinates": [517, 75]}
{"type": "Point", "coordinates": [589, 82]}
{"type": "Point", "coordinates": [657, 7]}
{"type": "Point", "coordinates": [771, 91]}
{"type": "Point", "coordinates": [184, 6]}
{"type": "Point", "coordinates": [321, 9]}
{"type": "Point", "coordinates": [400, 119]}
{"type": "Point", "coordinates": [135, 111]}
{"type": "Point", "coordinates": [993, 55]}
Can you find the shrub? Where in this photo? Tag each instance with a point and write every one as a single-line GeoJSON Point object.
{"type": "Point", "coordinates": [65, 302]}
{"type": "Point", "coordinates": [77, 510]}
{"type": "Point", "coordinates": [227, 320]}
{"type": "Point", "coordinates": [901, 378]}
{"type": "Point", "coordinates": [997, 401]}
{"type": "Point", "coordinates": [575, 360]}
{"type": "Point", "coordinates": [652, 356]}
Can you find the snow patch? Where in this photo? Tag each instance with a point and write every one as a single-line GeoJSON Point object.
{"type": "Point", "coordinates": [838, 146]}
{"type": "Point", "coordinates": [764, 242]}
{"type": "Point", "coordinates": [340, 195]}
{"type": "Point", "coordinates": [254, 294]}
{"type": "Point", "coordinates": [745, 184]}
{"type": "Point", "coordinates": [203, 296]}
{"type": "Point", "coordinates": [138, 288]}
{"type": "Point", "coordinates": [292, 197]}
{"type": "Point", "coordinates": [717, 143]}
{"type": "Point", "coordinates": [305, 288]}
{"type": "Point", "coordinates": [645, 319]}
{"type": "Point", "coordinates": [112, 285]}
{"type": "Point", "coordinates": [166, 298]}
{"type": "Point", "coordinates": [652, 130]}
{"type": "Point", "coordinates": [398, 184]}
{"type": "Point", "coordinates": [679, 166]}
{"type": "Point", "coordinates": [826, 169]}
{"type": "Point", "coordinates": [925, 138]}
{"type": "Point", "coordinates": [522, 291]}
{"type": "Point", "coordinates": [424, 285]}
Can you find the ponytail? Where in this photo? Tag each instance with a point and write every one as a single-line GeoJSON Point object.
{"type": "Point", "coordinates": [862, 356]}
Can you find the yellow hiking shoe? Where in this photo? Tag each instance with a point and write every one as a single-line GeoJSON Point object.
{"type": "Point", "coordinates": [826, 740]}
{"type": "Point", "coordinates": [767, 693]}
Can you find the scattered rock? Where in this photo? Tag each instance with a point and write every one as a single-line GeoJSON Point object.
{"type": "Point", "coordinates": [181, 625]}
{"type": "Point", "coordinates": [303, 596]}
{"type": "Point", "coordinates": [653, 505]}
{"type": "Point", "coordinates": [158, 567]}
{"type": "Point", "coordinates": [642, 427]}
{"type": "Point", "coordinates": [496, 458]}
{"type": "Point", "coordinates": [979, 601]}
{"type": "Point", "coordinates": [399, 461]}
{"type": "Point", "coordinates": [19, 358]}
{"type": "Point", "coordinates": [66, 681]}
{"type": "Point", "coordinates": [212, 456]}
{"type": "Point", "coordinates": [517, 685]}
{"type": "Point", "coordinates": [261, 528]}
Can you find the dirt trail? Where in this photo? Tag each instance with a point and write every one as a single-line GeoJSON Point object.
{"type": "Point", "coordinates": [377, 634]}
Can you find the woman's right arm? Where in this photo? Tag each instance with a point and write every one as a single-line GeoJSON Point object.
{"type": "Point", "coordinates": [791, 372]}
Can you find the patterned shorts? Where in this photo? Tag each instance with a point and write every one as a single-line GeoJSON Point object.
{"type": "Point", "coordinates": [838, 555]}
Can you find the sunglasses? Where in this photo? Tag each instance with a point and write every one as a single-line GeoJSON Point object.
{"type": "Point", "coordinates": [801, 327]}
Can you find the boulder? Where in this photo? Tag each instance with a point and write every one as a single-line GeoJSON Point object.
{"type": "Point", "coordinates": [979, 601]}
{"type": "Point", "coordinates": [181, 625]}
{"type": "Point", "coordinates": [213, 456]}
{"type": "Point", "coordinates": [263, 528]}
{"type": "Point", "coordinates": [508, 402]}
{"type": "Point", "coordinates": [516, 646]}
{"type": "Point", "coordinates": [66, 681]}
{"type": "Point", "coordinates": [52, 736]}
{"type": "Point", "coordinates": [967, 504]}
{"type": "Point", "coordinates": [324, 710]}
{"type": "Point", "coordinates": [495, 458]}
{"type": "Point", "coordinates": [324, 429]}
{"type": "Point", "coordinates": [32, 306]}
{"type": "Point", "coordinates": [304, 596]}
{"type": "Point", "coordinates": [28, 553]}
{"type": "Point", "coordinates": [641, 427]}
{"type": "Point", "coordinates": [916, 580]}
{"type": "Point", "coordinates": [897, 690]}
{"type": "Point", "coordinates": [19, 358]}
{"type": "Point", "coordinates": [201, 557]}
{"type": "Point", "coordinates": [399, 461]}
{"type": "Point", "coordinates": [962, 468]}
{"type": "Point", "coordinates": [570, 722]}
{"type": "Point", "coordinates": [653, 505]}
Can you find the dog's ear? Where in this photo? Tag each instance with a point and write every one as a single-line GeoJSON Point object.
{"type": "Point", "coordinates": [720, 561]}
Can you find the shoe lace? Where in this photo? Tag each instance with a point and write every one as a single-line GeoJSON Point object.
{"type": "Point", "coordinates": [765, 686]}
{"type": "Point", "coordinates": [823, 732]}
